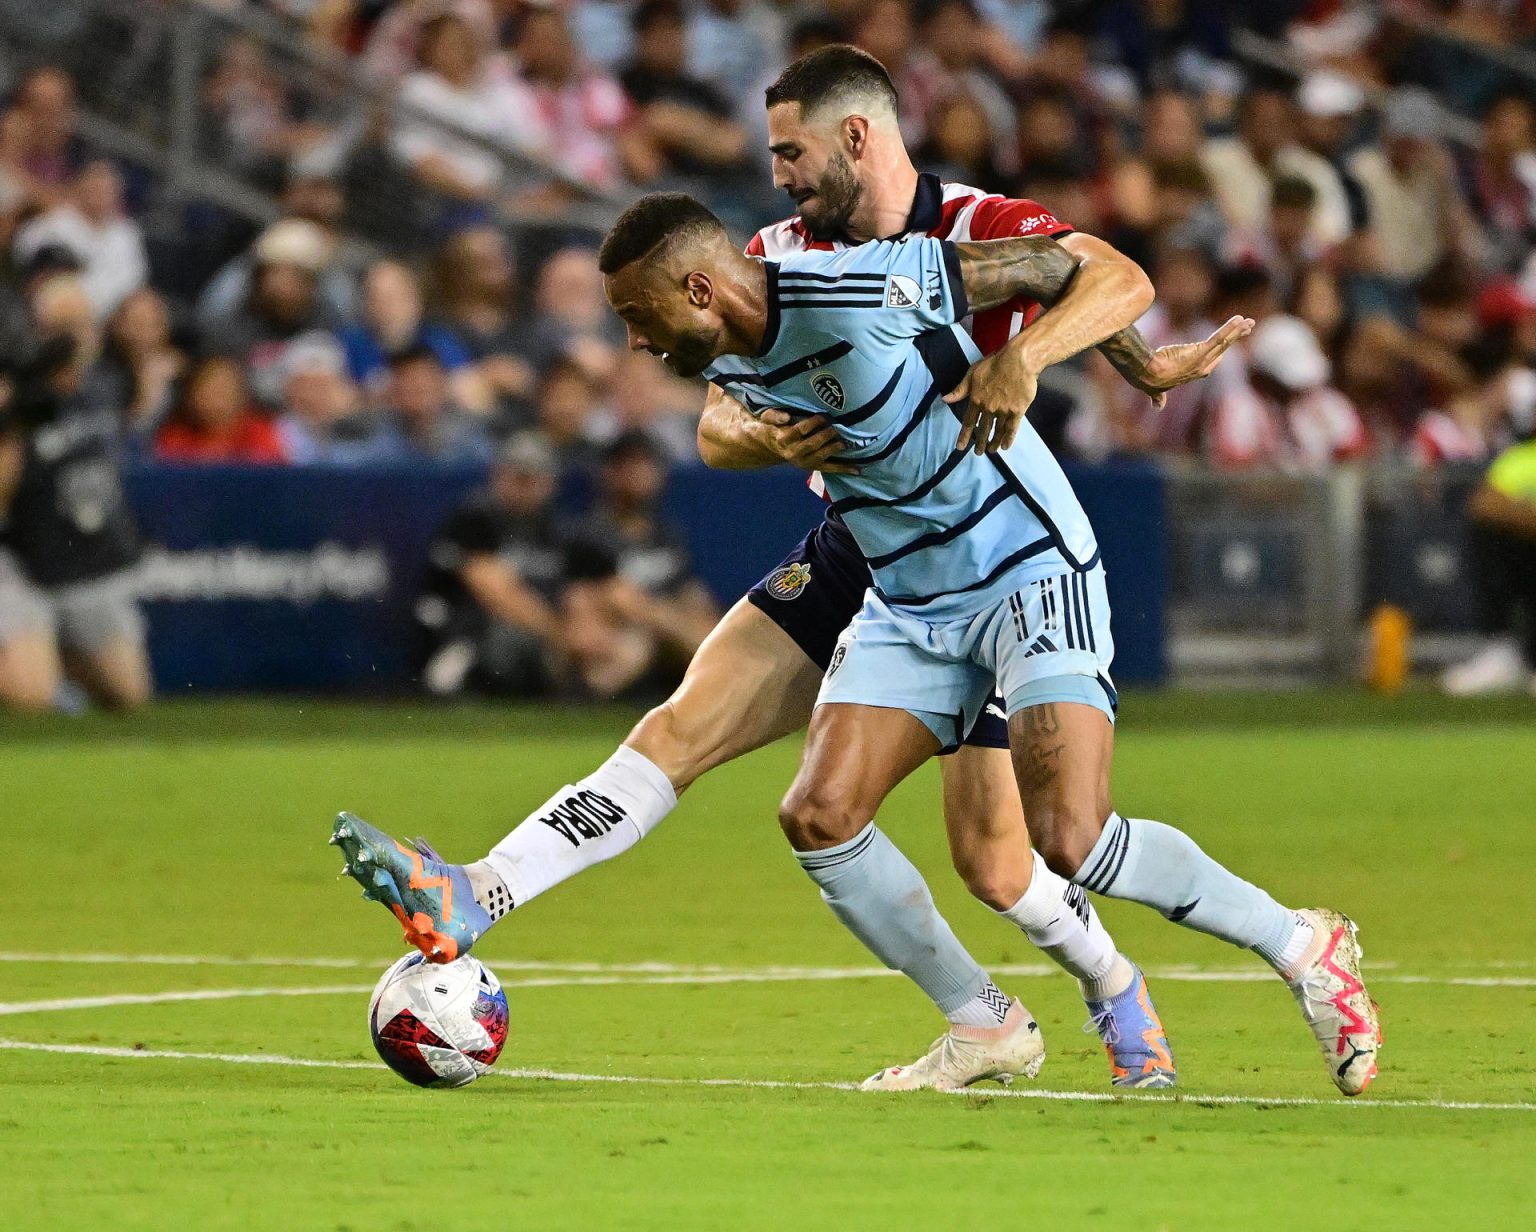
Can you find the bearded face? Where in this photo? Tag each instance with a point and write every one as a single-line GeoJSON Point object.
{"type": "Point", "coordinates": [829, 207]}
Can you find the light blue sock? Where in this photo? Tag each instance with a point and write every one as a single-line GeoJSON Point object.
{"type": "Point", "coordinates": [1163, 868]}
{"type": "Point", "coordinates": [884, 902]}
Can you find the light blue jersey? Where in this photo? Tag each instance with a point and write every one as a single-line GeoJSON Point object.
{"type": "Point", "coordinates": [870, 338]}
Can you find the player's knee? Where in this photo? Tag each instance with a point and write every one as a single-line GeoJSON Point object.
{"type": "Point", "coordinates": [25, 697]}
{"type": "Point", "coordinates": [673, 744]}
{"type": "Point", "coordinates": [815, 819]}
{"type": "Point", "coordinates": [1064, 833]}
{"type": "Point", "coordinates": [999, 887]}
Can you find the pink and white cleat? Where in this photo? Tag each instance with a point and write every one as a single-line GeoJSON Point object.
{"type": "Point", "coordinates": [963, 1055]}
{"type": "Point", "coordinates": [1331, 992]}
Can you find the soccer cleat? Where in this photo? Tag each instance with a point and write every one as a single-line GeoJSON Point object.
{"type": "Point", "coordinates": [963, 1055]}
{"type": "Point", "coordinates": [431, 898]}
{"type": "Point", "coordinates": [1328, 987]}
{"type": "Point", "coordinates": [1133, 1037]}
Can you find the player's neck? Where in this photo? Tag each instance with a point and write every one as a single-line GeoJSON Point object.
{"type": "Point", "coordinates": [886, 208]}
{"type": "Point", "coordinates": [745, 308]}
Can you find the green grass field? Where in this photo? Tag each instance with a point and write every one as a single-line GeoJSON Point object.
{"type": "Point", "coordinates": [182, 1003]}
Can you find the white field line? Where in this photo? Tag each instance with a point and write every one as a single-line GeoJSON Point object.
{"type": "Point", "coordinates": [548, 1075]}
{"type": "Point", "coordinates": [707, 973]}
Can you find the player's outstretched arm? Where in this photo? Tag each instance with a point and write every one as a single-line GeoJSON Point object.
{"type": "Point", "coordinates": [732, 439]}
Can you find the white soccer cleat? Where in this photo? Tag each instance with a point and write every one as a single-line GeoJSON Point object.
{"type": "Point", "coordinates": [1331, 993]}
{"type": "Point", "coordinates": [1497, 668]}
{"type": "Point", "coordinates": [964, 1055]}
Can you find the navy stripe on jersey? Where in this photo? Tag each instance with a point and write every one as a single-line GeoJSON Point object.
{"type": "Point", "coordinates": [849, 503]}
{"type": "Point", "coordinates": [807, 276]}
{"type": "Point", "coordinates": [945, 357]}
{"type": "Point", "coordinates": [936, 537]}
{"type": "Point", "coordinates": [790, 302]}
{"type": "Point", "coordinates": [951, 258]}
{"type": "Point", "coordinates": [930, 400]}
{"type": "Point", "coordinates": [794, 368]}
{"type": "Point", "coordinates": [873, 406]}
{"type": "Point", "coordinates": [1082, 580]}
{"type": "Point", "coordinates": [1034, 506]}
{"type": "Point", "coordinates": [1007, 563]}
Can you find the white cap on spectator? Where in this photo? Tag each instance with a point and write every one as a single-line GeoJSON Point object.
{"type": "Point", "coordinates": [294, 241]}
{"type": "Point", "coordinates": [315, 351]}
{"type": "Point", "coordinates": [1327, 94]}
{"type": "Point", "coordinates": [1286, 349]}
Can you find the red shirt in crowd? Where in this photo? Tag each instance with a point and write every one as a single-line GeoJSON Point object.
{"type": "Point", "coordinates": [252, 439]}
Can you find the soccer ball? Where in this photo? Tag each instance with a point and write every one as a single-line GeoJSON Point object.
{"type": "Point", "coordinates": [438, 1024]}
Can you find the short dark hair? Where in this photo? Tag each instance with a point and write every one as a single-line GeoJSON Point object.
{"type": "Point", "coordinates": [650, 13]}
{"type": "Point", "coordinates": [830, 73]}
{"type": "Point", "coordinates": [417, 352]}
{"type": "Point", "coordinates": [650, 221]}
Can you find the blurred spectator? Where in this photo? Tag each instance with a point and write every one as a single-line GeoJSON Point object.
{"type": "Point", "coordinates": [282, 304]}
{"type": "Point", "coordinates": [251, 114]}
{"type": "Point", "coordinates": [488, 613]}
{"type": "Point", "coordinates": [1049, 132]}
{"type": "Point", "coordinates": [730, 40]}
{"type": "Point", "coordinates": [1329, 105]}
{"type": "Point", "coordinates": [647, 398]}
{"type": "Point", "coordinates": [1288, 416]}
{"type": "Point", "coordinates": [422, 423]}
{"type": "Point", "coordinates": [394, 46]}
{"type": "Point", "coordinates": [140, 354]}
{"type": "Point", "coordinates": [592, 136]}
{"type": "Point", "coordinates": [455, 88]}
{"type": "Point", "coordinates": [319, 422]}
{"type": "Point", "coordinates": [966, 48]}
{"type": "Point", "coordinates": [67, 536]}
{"type": "Point", "coordinates": [1183, 211]}
{"type": "Point", "coordinates": [572, 318]}
{"type": "Point", "coordinates": [1180, 43]}
{"type": "Point", "coordinates": [475, 285]}
{"type": "Point", "coordinates": [885, 29]}
{"type": "Point", "coordinates": [1242, 167]}
{"type": "Point", "coordinates": [213, 420]}
{"type": "Point", "coordinates": [308, 235]}
{"type": "Point", "coordinates": [652, 552]}
{"type": "Point", "coordinates": [566, 408]}
{"type": "Point", "coordinates": [1410, 190]}
{"type": "Point", "coordinates": [1503, 518]}
{"type": "Point", "coordinates": [45, 103]}
{"type": "Point", "coordinates": [92, 224]}
{"type": "Point", "coordinates": [1170, 138]}
{"type": "Point", "coordinates": [960, 145]}
{"type": "Point", "coordinates": [17, 188]}
{"type": "Point", "coordinates": [1499, 180]}
{"type": "Point", "coordinates": [392, 323]}
{"type": "Point", "coordinates": [686, 121]}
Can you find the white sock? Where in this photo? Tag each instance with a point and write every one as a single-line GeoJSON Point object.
{"type": "Point", "coordinates": [1058, 918]}
{"type": "Point", "coordinates": [583, 824]}
{"type": "Point", "coordinates": [987, 1008]}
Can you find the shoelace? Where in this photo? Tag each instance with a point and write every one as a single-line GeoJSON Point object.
{"type": "Point", "coordinates": [1314, 993]}
{"type": "Point", "coordinates": [1104, 1024]}
{"type": "Point", "coordinates": [427, 849]}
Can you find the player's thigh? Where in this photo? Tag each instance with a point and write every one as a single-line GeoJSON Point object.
{"type": "Point", "coordinates": [101, 632]}
{"type": "Point", "coordinates": [854, 756]}
{"type": "Point", "coordinates": [29, 670]}
{"type": "Point", "coordinates": [1062, 751]}
{"type": "Point", "coordinates": [985, 822]}
{"type": "Point", "coordinates": [116, 674]}
{"type": "Point", "coordinates": [747, 685]}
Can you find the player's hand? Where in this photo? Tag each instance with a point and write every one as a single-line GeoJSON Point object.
{"type": "Point", "coordinates": [1000, 388]}
{"type": "Point", "coordinates": [1172, 366]}
{"type": "Point", "coordinates": [811, 444]}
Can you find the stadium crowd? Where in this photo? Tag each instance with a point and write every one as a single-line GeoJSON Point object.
{"type": "Point", "coordinates": [1373, 207]}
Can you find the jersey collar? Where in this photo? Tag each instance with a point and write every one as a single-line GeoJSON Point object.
{"type": "Point", "coordinates": [927, 204]}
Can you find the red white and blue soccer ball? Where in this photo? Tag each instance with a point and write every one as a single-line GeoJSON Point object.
{"type": "Point", "coordinates": [438, 1024]}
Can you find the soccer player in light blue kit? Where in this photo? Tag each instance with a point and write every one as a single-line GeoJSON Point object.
{"type": "Point", "coordinates": [985, 569]}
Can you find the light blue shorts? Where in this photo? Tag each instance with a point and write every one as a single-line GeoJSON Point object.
{"type": "Point", "coordinates": [1047, 642]}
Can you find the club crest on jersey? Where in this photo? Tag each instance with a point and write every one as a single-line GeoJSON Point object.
{"type": "Point", "coordinates": [901, 292]}
{"type": "Point", "coordinates": [829, 389]}
{"type": "Point", "coordinates": [788, 581]}
{"type": "Point", "coordinates": [839, 653]}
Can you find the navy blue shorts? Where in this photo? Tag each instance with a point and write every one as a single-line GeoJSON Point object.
{"type": "Point", "coordinates": [816, 592]}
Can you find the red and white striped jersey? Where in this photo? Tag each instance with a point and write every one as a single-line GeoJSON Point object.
{"type": "Point", "coordinates": [949, 212]}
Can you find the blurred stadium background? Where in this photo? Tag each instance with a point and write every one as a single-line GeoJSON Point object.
{"type": "Point", "coordinates": [333, 257]}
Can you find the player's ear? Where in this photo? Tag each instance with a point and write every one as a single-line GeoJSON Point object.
{"type": "Point", "coordinates": [701, 291]}
{"type": "Point", "coordinates": [856, 136]}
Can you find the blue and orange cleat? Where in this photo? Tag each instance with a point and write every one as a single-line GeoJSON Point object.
{"type": "Point", "coordinates": [431, 898]}
{"type": "Point", "coordinates": [1133, 1037]}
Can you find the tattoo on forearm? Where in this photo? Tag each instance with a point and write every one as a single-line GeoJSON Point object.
{"type": "Point", "coordinates": [1130, 354]}
{"type": "Point", "coordinates": [1032, 266]}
